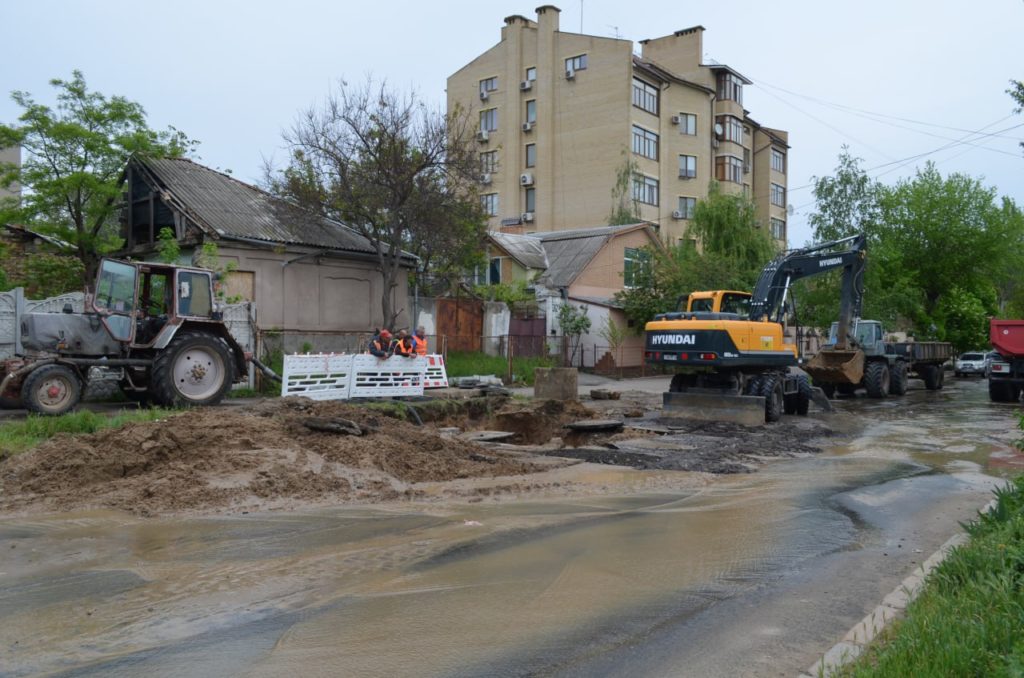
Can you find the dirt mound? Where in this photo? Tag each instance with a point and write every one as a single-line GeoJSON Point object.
{"type": "Point", "coordinates": [258, 456]}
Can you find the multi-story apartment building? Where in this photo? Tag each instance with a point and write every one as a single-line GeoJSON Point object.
{"type": "Point", "coordinates": [565, 118]}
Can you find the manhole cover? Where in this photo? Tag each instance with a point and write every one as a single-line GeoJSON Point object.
{"type": "Point", "coordinates": [595, 425]}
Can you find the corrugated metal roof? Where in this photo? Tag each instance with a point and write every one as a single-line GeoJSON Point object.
{"type": "Point", "coordinates": [231, 208]}
{"type": "Point", "coordinates": [526, 249]}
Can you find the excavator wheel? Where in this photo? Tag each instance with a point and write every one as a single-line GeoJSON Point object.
{"type": "Point", "coordinates": [876, 378]}
{"type": "Point", "coordinates": [803, 396]}
{"type": "Point", "coordinates": [898, 379]}
{"type": "Point", "coordinates": [771, 389]}
{"type": "Point", "coordinates": [51, 390]}
{"type": "Point", "coordinates": [195, 369]}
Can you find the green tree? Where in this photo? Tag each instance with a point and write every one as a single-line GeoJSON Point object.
{"type": "Point", "coordinates": [574, 323]}
{"type": "Point", "coordinates": [1016, 93]}
{"type": "Point", "coordinates": [625, 206]}
{"type": "Point", "coordinates": [397, 172]}
{"type": "Point", "coordinates": [74, 158]}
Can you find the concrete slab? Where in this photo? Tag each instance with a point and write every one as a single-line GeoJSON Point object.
{"type": "Point", "coordinates": [744, 410]}
{"type": "Point", "coordinates": [556, 383]}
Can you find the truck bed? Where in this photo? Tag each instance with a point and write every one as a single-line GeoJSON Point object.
{"type": "Point", "coordinates": [1007, 337]}
{"type": "Point", "coordinates": [925, 351]}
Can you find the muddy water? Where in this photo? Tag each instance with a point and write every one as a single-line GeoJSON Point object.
{"type": "Point", "coordinates": [745, 576]}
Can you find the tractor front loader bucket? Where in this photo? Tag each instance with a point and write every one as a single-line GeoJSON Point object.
{"type": "Point", "coordinates": [738, 409]}
{"type": "Point", "coordinates": [836, 366]}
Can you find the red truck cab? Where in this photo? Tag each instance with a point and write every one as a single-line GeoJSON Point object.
{"type": "Point", "coordinates": [1006, 374]}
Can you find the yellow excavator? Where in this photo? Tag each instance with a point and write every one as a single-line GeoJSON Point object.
{"type": "Point", "coordinates": [728, 350]}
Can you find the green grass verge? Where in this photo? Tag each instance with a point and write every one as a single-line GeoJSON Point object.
{"type": "Point", "coordinates": [467, 364]}
{"type": "Point", "coordinates": [969, 618]}
{"type": "Point", "coordinates": [18, 436]}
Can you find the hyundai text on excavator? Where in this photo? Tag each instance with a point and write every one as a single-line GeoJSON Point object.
{"type": "Point", "coordinates": [728, 348]}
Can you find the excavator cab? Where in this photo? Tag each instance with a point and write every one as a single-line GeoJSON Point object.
{"type": "Point", "coordinates": [720, 301]}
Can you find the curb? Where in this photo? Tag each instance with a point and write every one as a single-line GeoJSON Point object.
{"type": "Point", "coordinates": [891, 607]}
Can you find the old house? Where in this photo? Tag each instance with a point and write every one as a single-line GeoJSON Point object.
{"type": "Point", "coordinates": [312, 279]}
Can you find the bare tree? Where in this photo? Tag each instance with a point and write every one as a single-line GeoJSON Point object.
{"type": "Point", "coordinates": [391, 168]}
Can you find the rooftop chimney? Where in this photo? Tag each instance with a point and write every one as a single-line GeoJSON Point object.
{"type": "Point", "coordinates": [547, 18]}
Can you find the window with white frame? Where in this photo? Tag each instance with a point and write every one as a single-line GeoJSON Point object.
{"type": "Point", "coordinates": [636, 263]}
{"type": "Point", "coordinates": [729, 168]}
{"type": "Point", "coordinates": [489, 201]}
{"type": "Point", "coordinates": [531, 73]}
{"type": "Point", "coordinates": [645, 142]}
{"type": "Point", "coordinates": [687, 166]}
{"type": "Point", "coordinates": [688, 124]}
{"type": "Point", "coordinates": [531, 110]}
{"type": "Point", "coordinates": [778, 227]}
{"type": "Point", "coordinates": [645, 96]}
{"type": "Point", "coordinates": [489, 84]}
{"type": "Point", "coordinates": [645, 189]}
{"type": "Point", "coordinates": [778, 195]}
{"type": "Point", "coordinates": [686, 207]}
{"type": "Point", "coordinates": [489, 162]}
{"type": "Point", "coordinates": [531, 155]}
{"type": "Point", "coordinates": [778, 160]}
{"type": "Point", "coordinates": [489, 119]}
{"type": "Point", "coordinates": [576, 63]}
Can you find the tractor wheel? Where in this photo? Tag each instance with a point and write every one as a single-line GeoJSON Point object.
{"type": "Point", "coordinates": [942, 376]}
{"type": "Point", "coordinates": [771, 389]}
{"type": "Point", "coordinates": [930, 376]}
{"type": "Point", "coordinates": [803, 396]}
{"type": "Point", "coordinates": [1000, 392]}
{"type": "Point", "coordinates": [898, 379]}
{"type": "Point", "coordinates": [51, 389]}
{"type": "Point", "coordinates": [195, 369]}
{"type": "Point", "coordinates": [876, 378]}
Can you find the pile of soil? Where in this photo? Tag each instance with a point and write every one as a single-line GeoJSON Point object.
{"type": "Point", "coordinates": [260, 456]}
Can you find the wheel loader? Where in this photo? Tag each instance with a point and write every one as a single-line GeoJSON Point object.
{"type": "Point", "coordinates": [155, 324]}
{"type": "Point", "coordinates": [727, 347]}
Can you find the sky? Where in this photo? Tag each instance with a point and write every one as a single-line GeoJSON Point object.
{"type": "Point", "coordinates": [898, 81]}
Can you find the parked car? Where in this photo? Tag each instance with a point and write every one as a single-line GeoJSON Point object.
{"type": "Point", "coordinates": [969, 363]}
{"type": "Point", "coordinates": [991, 357]}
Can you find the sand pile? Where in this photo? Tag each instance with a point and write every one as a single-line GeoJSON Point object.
{"type": "Point", "coordinates": [258, 457]}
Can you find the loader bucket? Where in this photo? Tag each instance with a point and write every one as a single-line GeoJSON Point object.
{"type": "Point", "coordinates": [835, 366]}
{"type": "Point", "coordinates": [737, 409]}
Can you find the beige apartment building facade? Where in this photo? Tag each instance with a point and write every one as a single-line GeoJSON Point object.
{"type": "Point", "coordinates": [566, 118]}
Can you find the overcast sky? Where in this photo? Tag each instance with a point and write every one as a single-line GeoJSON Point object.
{"type": "Point", "coordinates": [921, 74]}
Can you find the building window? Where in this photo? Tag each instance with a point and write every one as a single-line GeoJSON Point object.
{"type": "Point", "coordinates": [645, 96]}
{"type": "Point", "coordinates": [531, 155]}
{"type": "Point", "coordinates": [576, 63]}
{"type": "Point", "coordinates": [732, 128]}
{"type": "Point", "coordinates": [778, 195]}
{"type": "Point", "coordinates": [729, 168]}
{"type": "Point", "coordinates": [645, 189]}
{"type": "Point", "coordinates": [686, 207]}
{"type": "Point", "coordinates": [531, 200]}
{"type": "Point", "coordinates": [531, 110]}
{"type": "Point", "coordinates": [489, 119]}
{"type": "Point", "coordinates": [531, 73]}
{"type": "Point", "coordinates": [645, 143]}
{"type": "Point", "coordinates": [778, 160]}
{"type": "Point", "coordinates": [688, 124]}
{"type": "Point", "coordinates": [489, 201]}
{"type": "Point", "coordinates": [494, 271]}
{"type": "Point", "coordinates": [636, 263]}
{"type": "Point", "coordinates": [778, 227]}
{"type": "Point", "coordinates": [489, 85]}
{"type": "Point", "coordinates": [687, 166]}
{"type": "Point", "coordinates": [489, 162]}
{"type": "Point", "coordinates": [730, 87]}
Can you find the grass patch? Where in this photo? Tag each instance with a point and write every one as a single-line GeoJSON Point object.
{"type": "Point", "coordinates": [18, 436]}
{"type": "Point", "coordinates": [469, 363]}
{"type": "Point", "coordinates": [969, 619]}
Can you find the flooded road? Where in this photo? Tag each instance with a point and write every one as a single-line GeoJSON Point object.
{"type": "Point", "coordinates": [751, 575]}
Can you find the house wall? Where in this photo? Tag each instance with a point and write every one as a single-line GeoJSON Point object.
{"type": "Point", "coordinates": [603, 275]}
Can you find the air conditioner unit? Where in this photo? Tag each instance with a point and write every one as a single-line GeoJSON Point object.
{"type": "Point", "coordinates": [526, 179]}
{"type": "Point", "coordinates": [485, 178]}
{"type": "Point", "coordinates": [570, 74]}
{"type": "Point", "coordinates": [525, 85]}
{"type": "Point", "coordinates": [527, 217]}
{"type": "Point", "coordinates": [676, 119]}
{"type": "Point", "coordinates": [527, 126]}
{"type": "Point", "coordinates": [746, 168]}
{"type": "Point", "coordinates": [678, 214]}
{"type": "Point", "coordinates": [714, 143]}
{"type": "Point", "coordinates": [482, 136]}
{"type": "Point", "coordinates": [484, 96]}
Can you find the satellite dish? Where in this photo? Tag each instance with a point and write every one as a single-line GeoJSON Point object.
{"type": "Point", "coordinates": [789, 209]}
{"type": "Point", "coordinates": [719, 130]}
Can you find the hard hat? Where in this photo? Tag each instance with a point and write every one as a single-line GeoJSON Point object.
{"type": "Point", "coordinates": [385, 333]}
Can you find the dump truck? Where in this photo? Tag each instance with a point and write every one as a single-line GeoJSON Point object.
{"type": "Point", "coordinates": [727, 348]}
{"type": "Point", "coordinates": [885, 367]}
{"type": "Point", "coordinates": [155, 324]}
{"type": "Point", "coordinates": [1006, 373]}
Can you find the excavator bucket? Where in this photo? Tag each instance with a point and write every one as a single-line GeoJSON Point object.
{"type": "Point", "coordinates": [836, 366]}
{"type": "Point", "coordinates": [737, 409]}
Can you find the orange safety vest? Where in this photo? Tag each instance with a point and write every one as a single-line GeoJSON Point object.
{"type": "Point", "coordinates": [421, 345]}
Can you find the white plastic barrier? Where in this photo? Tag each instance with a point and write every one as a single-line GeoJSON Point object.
{"type": "Point", "coordinates": [330, 376]}
{"type": "Point", "coordinates": [436, 376]}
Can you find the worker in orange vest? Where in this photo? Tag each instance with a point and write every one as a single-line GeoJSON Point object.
{"type": "Point", "coordinates": [421, 340]}
{"type": "Point", "coordinates": [403, 345]}
{"type": "Point", "coordinates": [380, 345]}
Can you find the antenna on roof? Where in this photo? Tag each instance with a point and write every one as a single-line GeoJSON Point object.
{"type": "Point", "coordinates": [616, 29]}
{"type": "Point", "coordinates": [581, 16]}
